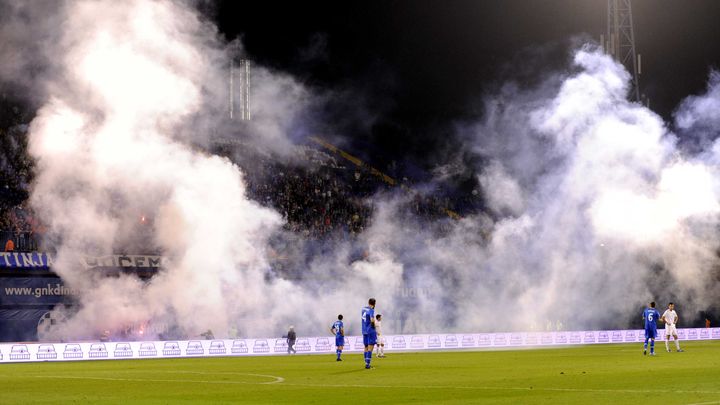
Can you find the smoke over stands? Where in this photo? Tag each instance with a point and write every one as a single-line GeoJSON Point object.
{"type": "Point", "coordinates": [590, 207]}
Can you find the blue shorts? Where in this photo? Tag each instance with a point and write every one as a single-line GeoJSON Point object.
{"type": "Point", "coordinates": [370, 338]}
{"type": "Point", "coordinates": [651, 333]}
{"type": "Point", "coordinates": [339, 340]}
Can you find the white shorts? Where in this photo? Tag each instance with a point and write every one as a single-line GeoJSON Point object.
{"type": "Point", "coordinates": [381, 340]}
{"type": "Point", "coordinates": [670, 330]}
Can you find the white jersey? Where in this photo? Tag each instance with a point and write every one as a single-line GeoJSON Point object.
{"type": "Point", "coordinates": [378, 329]}
{"type": "Point", "coordinates": [670, 317]}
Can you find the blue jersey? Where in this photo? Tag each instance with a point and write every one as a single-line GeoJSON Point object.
{"type": "Point", "coordinates": [338, 325]}
{"type": "Point", "coordinates": [367, 316]}
{"type": "Point", "coordinates": [651, 315]}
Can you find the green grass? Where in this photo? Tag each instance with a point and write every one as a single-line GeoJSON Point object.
{"type": "Point", "coordinates": [612, 374]}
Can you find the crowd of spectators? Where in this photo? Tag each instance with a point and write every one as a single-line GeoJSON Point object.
{"type": "Point", "coordinates": [315, 201]}
{"type": "Point", "coordinates": [19, 230]}
{"type": "Point", "coordinates": [320, 195]}
{"type": "Point", "coordinates": [18, 227]}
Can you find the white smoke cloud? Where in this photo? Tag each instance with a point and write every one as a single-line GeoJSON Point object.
{"type": "Point", "coordinates": [130, 92]}
{"type": "Point", "coordinates": [114, 142]}
{"type": "Point", "coordinates": [107, 154]}
{"type": "Point", "coordinates": [506, 193]}
{"type": "Point", "coordinates": [697, 120]}
{"type": "Point", "coordinates": [701, 111]}
{"type": "Point", "coordinates": [615, 199]}
{"type": "Point", "coordinates": [597, 212]}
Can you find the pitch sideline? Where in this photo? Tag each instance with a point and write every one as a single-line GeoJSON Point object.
{"type": "Point", "coordinates": [281, 380]}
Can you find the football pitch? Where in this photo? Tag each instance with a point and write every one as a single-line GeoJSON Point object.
{"type": "Point", "coordinates": [607, 374]}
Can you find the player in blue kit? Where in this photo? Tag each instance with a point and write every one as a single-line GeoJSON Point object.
{"type": "Point", "coordinates": [368, 330]}
{"type": "Point", "coordinates": [650, 316]}
{"type": "Point", "coordinates": [339, 331]}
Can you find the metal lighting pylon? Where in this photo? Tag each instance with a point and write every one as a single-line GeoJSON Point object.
{"type": "Point", "coordinates": [621, 42]}
{"type": "Point", "coordinates": [239, 89]}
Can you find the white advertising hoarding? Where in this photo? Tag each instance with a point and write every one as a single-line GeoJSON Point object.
{"type": "Point", "coordinates": [31, 352]}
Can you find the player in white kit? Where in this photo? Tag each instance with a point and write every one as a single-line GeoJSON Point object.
{"type": "Point", "coordinates": [380, 336]}
{"type": "Point", "coordinates": [670, 318]}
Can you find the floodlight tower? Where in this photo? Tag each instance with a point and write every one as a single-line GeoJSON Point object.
{"type": "Point", "coordinates": [620, 43]}
{"type": "Point", "coordinates": [239, 87]}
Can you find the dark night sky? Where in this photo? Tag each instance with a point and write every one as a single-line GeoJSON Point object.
{"type": "Point", "coordinates": [423, 64]}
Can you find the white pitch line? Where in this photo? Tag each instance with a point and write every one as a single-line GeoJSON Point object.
{"type": "Point", "coordinates": [69, 377]}
{"type": "Point", "coordinates": [626, 391]}
{"type": "Point", "coordinates": [277, 379]}
{"type": "Point", "coordinates": [282, 380]}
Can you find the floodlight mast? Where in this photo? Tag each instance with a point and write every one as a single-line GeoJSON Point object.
{"type": "Point", "coordinates": [240, 83]}
{"type": "Point", "coordinates": [620, 42]}
{"type": "Point", "coordinates": [245, 89]}
{"type": "Point", "coordinates": [231, 90]}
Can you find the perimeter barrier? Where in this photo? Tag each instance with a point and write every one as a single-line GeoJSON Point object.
{"type": "Point", "coordinates": [74, 351]}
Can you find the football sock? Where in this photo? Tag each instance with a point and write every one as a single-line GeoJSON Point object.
{"type": "Point", "coordinates": [652, 346]}
{"type": "Point", "coordinates": [677, 344]}
{"type": "Point", "coordinates": [646, 342]}
{"type": "Point", "coordinates": [667, 345]}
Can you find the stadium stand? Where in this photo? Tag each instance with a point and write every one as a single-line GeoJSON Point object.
{"type": "Point", "coordinates": [326, 195]}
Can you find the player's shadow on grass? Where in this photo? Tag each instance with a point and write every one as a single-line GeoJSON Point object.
{"type": "Point", "coordinates": [353, 370]}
